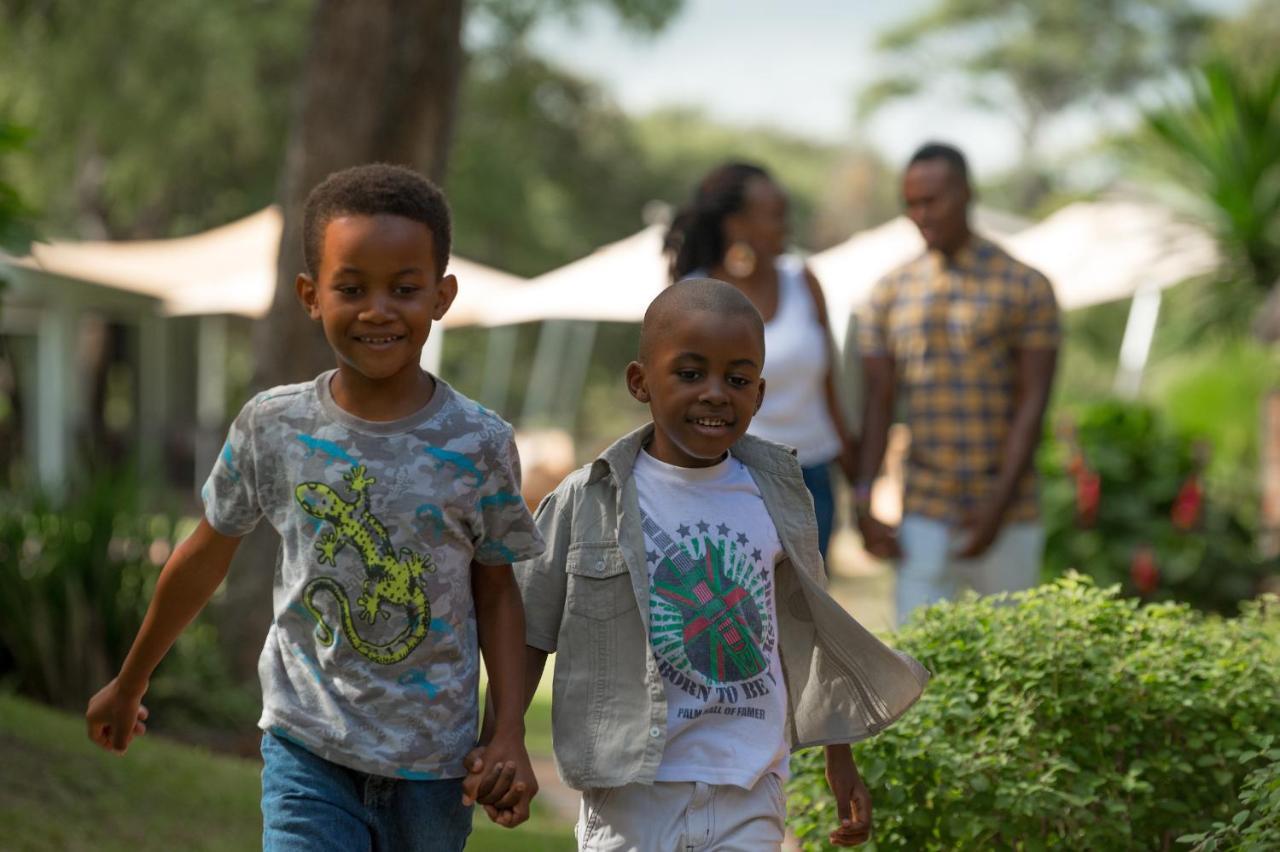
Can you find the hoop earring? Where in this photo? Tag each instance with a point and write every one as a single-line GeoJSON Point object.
{"type": "Point", "coordinates": [740, 259]}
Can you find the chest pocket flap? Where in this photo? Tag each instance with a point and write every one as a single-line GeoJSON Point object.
{"type": "Point", "coordinates": [599, 583]}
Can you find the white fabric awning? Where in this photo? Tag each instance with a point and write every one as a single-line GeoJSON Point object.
{"type": "Point", "coordinates": [1097, 252]}
{"type": "Point", "coordinates": [229, 270]}
{"type": "Point", "coordinates": [613, 283]}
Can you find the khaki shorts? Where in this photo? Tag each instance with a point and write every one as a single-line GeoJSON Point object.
{"type": "Point", "coordinates": [680, 816]}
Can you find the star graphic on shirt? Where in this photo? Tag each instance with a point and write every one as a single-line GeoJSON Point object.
{"type": "Point", "coordinates": [757, 555]}
{"type": "Point", "coordinates": [703, 526]}
{"type": "Point", "coordinates": [722, 529]}
{"type": "Point", "coordinates": [742, 538]}
{"type": "Point", "coordinates": [683, 530]}
{"type": "Point", "coordinates": [651, 555]}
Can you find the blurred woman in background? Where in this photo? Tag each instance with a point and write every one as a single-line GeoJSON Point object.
{"type": "Point", "coordinates": [735, 228]}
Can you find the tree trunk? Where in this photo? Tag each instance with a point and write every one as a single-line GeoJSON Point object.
{"type": "Point", "coordinates": [380, 84]}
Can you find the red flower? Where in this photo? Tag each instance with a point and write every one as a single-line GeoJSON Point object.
{"type": "Point", "coordinates": [1187, 505]}
{"type": "Point", "coordinates": [1088, 495]}
{"type": "Point", "coordinates": [1143, 570]}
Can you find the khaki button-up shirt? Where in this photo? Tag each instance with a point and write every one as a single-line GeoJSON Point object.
{"type": "Point", "coordinates": [587, 600]}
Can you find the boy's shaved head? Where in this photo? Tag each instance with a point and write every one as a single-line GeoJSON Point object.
{"type": "Point", "coordinates": [696, 294]}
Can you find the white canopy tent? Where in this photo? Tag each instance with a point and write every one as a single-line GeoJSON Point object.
{"type": "Point", "coordinates": [1096, 252]}
{"type": "Point", "coordinates": [615, 283]}
{"type": "Point", "coordinates": [222, 273]}
{"type": "Point", "coordinates": [230, 270]}
{"type": "Point", "coordinates": [1110, 250]}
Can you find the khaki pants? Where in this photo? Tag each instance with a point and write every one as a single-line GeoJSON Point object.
{"type": "Point", "coordinates": [681, 816]}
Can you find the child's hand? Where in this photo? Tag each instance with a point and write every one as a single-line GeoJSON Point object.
{"type": "Point", "coordinates": [115, 716]}
{"type": "Point", "coordinates": [500, 778]}
{"type": "Point", "coordinates": [853, 799]}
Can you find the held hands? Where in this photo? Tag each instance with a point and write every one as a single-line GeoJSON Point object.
{"type": "Point", "coordinates": [853, 799]}
{"type": "Point", "coordinates": [115, 716]}
{"type": "Point", "coordinates": [500, 779]}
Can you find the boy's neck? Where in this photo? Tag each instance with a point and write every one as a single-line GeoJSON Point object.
{"type": "Point", "coordinates": [382, 400]}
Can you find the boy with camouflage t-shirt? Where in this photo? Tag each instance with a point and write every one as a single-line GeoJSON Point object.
{"type": "Point", "coordinates": [398, 505]}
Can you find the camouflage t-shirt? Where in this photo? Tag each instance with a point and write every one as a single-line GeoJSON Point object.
{"type": "Point", "coordinates": [371, 661]}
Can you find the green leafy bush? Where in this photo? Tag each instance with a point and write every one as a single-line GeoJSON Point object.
{"type": "Point", "coordinates": [1075, 719]}
{"type": "Point", "coordinates": [1125, 501]}
{"type": "Point", "coordinates": [1256, 826]}
{"type": "Point", "coordinates": [75, 581]}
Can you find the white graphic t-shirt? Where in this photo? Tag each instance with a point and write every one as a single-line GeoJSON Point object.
{"type": "Point", "coordinates": [711, 546]}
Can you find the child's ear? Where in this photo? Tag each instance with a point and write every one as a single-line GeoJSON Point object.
{"type": "Point", "coordinates": [759, 397]}
{"type": "Point", "coordinates": [446, 292]}
{"type": "Point", "coordinates": [306, 290]}
{"type": "Point", "coordinates": [636, 382]}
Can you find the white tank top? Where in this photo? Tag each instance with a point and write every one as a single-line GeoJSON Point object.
{"type": "Point", "coordinates": [796, 361]}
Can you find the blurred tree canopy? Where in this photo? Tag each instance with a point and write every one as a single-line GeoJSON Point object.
{"type": "Point", "coordinates": [1037, 59]}
{"type": "Point", "coordinates": [14, 214]}
{"type": "Point", "coordinates": [150, 118]}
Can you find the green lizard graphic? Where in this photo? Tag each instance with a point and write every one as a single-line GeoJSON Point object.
{"type": "Point", "coordinates": [388, 580]}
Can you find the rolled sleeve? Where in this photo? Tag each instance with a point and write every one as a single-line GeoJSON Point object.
{"type": "Point", "coordinates": [542, 579]}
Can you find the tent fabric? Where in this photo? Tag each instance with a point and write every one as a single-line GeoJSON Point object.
{"type": "Point", "coordinates": [1105, 251]}
{"type": "Point", "coordinates": [615, 283]}
{"type": "Point", "coordinates": [1092, 252]}
{"type": "Point", "coordinates": [229, 270]}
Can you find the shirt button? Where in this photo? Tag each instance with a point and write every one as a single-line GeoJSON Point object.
{"type": "Point", "coordinates": [600, 566]}
{"type": "Point", "coordinates": [655, 732]}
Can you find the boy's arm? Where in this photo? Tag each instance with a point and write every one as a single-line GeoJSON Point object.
{"type": "Point", "coordinates": [500, 628]}
{"type": "Point", "coordinates": [853, 799]}
{"type": "Point", "coordinates": [186, 583]}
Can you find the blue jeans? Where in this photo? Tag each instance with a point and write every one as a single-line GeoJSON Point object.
{"type": "Point", "coordinates": [312, 805]}
{"type": "Point", "coordinates": [818, 480]}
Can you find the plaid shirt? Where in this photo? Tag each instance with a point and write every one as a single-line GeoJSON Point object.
{"type": "Point", "coordinates": [952, 327]}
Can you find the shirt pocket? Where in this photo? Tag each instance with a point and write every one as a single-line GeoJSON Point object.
{"type": "Point", "coordinates": [973, 325]}
{"type": "Point", "coordinates": [599, 586]}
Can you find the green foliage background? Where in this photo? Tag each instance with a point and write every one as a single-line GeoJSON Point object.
{"type": "Point", "coordinates": [1075, 719]}
{"type": "Point", "coordinates": [1143, 461]}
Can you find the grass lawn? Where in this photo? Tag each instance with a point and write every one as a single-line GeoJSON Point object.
{"type": "Point", "coordinates": [60, 792]}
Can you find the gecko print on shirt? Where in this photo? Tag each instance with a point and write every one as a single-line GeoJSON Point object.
{"type": "Point", "coordinates": [397, 582]}
{"type": "Point", "coordinates": [372, 658]}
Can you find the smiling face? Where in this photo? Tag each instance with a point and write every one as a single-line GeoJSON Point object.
{"type": "Point", "coordinates": [937, 201]}
{"type": "Point", "coordinates": [701, 381]}
{"type": "Point", "coordinates": [376, 293]}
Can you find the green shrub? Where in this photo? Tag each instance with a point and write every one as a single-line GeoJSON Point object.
{"type": "Point", "coordinates": [1075, 719]}
{"type": "Point", "coordinates": [1125, 501]}
{"type": "Point", "coordinates": [75, 581]}
{"type": "Point", "coordinates": [1256, 826]}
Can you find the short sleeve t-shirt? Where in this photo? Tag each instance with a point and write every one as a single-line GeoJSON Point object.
{"type": "Point", "coordinates": [711, 547]}
{"type": "Point", "coordinates": [371, 661]}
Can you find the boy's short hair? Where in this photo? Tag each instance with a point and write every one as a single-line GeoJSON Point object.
{"type": "Point", "coordinates": [372, 190]}
{"type": "Point", "coordinates": [696, 294]}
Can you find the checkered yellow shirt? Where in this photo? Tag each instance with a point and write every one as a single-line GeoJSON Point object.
{"type": "Point", "coordinates": [952, 327]}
